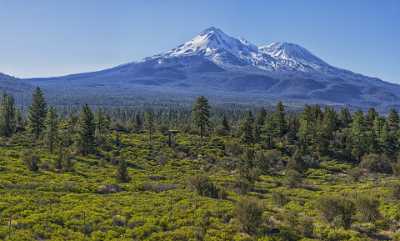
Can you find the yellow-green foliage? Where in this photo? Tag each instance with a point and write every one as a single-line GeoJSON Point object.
{"type": "Point", "coordinates": [157, 204]}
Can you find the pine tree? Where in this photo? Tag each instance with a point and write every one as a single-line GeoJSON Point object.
{"type": "Point", "coordinates": [37, 113]}
{"type": "Point", "coordinates": [138, 122]}
{"type": "Point", "coordinates": [246, 129]}
{"type": "Point", "coordinates": [225, 125]}
{"type": "Point", "coordinates": [261, 117]}
{"type": "Point", "coordinates": [388, 141]}
{"type": "Point", "coordinates": [19, 121]}
{"type": "Point", "coordinates": [102, 126]}
{"type": "Point", "coordinates": [370, 117]}
{"type": "Point", "coordinates": [51, 129]}
{"type": "Point", "coordinates": [307, 130]}
{"type": "Point", "coordinates": [122, 172]}
{"type": "Point", "coordinates": [86, 131]}
{"type": "Point", "coordinates": [358, 131]}
{"type": "Point", "coordinates": [259, 124]}
{"type": "Point", "coordinates": [102, 122]}
{"type": "Point", "coordinates": [345, 117]}
{"type": "Point", "coordinates": [201, 114]}
{"type": "Point", "coordinates": [279, 120]}
{"type": "Point", "coordinates": [149, 124]}
{"type": "Point", "coordinates": [393, 120]}
{"type": "Point", "coordinates": [7, 114]}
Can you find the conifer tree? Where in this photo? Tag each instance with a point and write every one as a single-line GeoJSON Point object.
{"type": "Point", "coordinates": [149, 124]}
{"type": "Point", "coordinates": [102, 126]}
{"type": "Point", "coordinates": [225, 125]}
{"type": "Point", "coordinates": [201, 114]}
{"type": "Point", "coordinates": [37, 113]}
{"type": "Point", "coordinates": [138, 122]}
{"type": "Point", "coordinates": [388, 141]}
{"type": "Point", "coordinates": [122, 172]}
{"type": "Point", "coordinates": [86, 131]}
{"type": "Point", "coordinates": [246, 127]}
{"type": "Point", "coordinates": [279, 119]}
{"type": "Point", "coordinates": [359, 140]}
{"type": "Point", "coordinates": [370, 117]}
{"type": "Point", "coordinates": [345, 117]}
{"type": "Point", "coordinates": [261, 117]}
{"type": "Point", "coordinates": [19, 121]}
{"type": "Point", "coordinates": [51, 129]}
{"type": "Point", "coordinates": [7, 115]}
{"type": "Point", "coordinates": [393, 121]}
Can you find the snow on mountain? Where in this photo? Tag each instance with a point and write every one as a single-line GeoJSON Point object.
{"type": "Point", "coordinates": [229, 52]}
{"type": "Point", "coordinates": [217, 46]}
{"type": "Point", "coordinates": [214, 63]}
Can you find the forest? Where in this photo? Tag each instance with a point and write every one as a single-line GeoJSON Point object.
{"type": "Point", "coordinates": [199, 173]}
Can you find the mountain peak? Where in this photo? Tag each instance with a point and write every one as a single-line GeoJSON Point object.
{"type": "Point", "coordinates": [291, 52]}
{"type": "Point", "coordinates": [213, 30]}
{"type": "Point", "coordinates": [215, 45]}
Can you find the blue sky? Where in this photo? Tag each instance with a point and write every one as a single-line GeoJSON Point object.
{"type": "Point", "coordinates": [47, 37]}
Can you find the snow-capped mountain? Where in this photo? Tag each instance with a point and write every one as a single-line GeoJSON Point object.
{"type": "Point", "coordinates": [229, 52]}
{"type": "Point", "coordinates": [227, 69]}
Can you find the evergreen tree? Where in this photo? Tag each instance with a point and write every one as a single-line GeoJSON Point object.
{"type": "Point", "coordinates": [37, 113]}
{"type": "Point", "coordinates": [7, 115]}
{"type": "Point", "coordinates": [225, 125]}
{"type": "Point", "coordinates": [86, 131]}
{"type": "Point", "coordinates": [149, 124]}
{"type": "Point", "coordinates": [122, 172]}
{"type": "Point", "coordinates": [345, 117]}
{"type": "Point", "coordinates": [388, 141]}
{"type": "Point", "coordinates": [201, 114]}
{"type": "Point", "coordinates": [51, 129]}
{"type": "Point", "coordinates": [325, 130]}
{"type": "Point", "coordinates": [259, 124]}
{"type": "Point", "coordinates": [307, 131]}
{"type": "Point", "coordinates": [138, 122]}
{"type": "Point", "coordinates": [19, 121]}
{"type": "Point", "coordinates": [102, 123]}
{"type": "Point", "coordinates": [358, 131]}
{"type": "Point", "coordinates": [102, 127]}
{"type": "Point", "coordinates": [370, 117]}
{"type": "Point", "coordinates": [393, 120]}
{"type": "Point", "coordinates": [279, 120]}
{"type": "Point", "coordinates": [246, 128]}
{"type": "Point", "coordinates": [261, 117]}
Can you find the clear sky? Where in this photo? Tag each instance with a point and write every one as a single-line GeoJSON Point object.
{"type": "Point", "coordinates": [47, 37]}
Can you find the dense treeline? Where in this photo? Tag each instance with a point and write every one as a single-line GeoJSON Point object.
{"type": "Point", "coordinates": [249, 146]}
{"type": "Point", "coordinates": [310, 135]}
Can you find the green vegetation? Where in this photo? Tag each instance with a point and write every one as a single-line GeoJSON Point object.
{"type": "Point", "coordinates": [228, 174]}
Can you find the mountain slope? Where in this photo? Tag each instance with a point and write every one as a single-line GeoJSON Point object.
{"type": "Point", "coordinates": [216, 64]}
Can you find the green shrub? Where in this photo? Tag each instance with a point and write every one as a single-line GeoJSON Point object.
{"type": "Point", "coordinates": [376, 163]}
{"type": "Point", "coordinates": [336, 210]}
{"type": "Point", "coordinates": [396, 191]}
{"type": "Point", "coordinates": [293, 178]}
{"type": "Point", "coordinates": [279, 199]}
{"type": "Point", "coordinates": [203, 186]}
{"type": "Point", "coordinates": [367, 207]}
{"type": "Point", "coordinates": [355, 174]}
{"type": "Point", "coordinates": [248, 212]}
{"type": "Point", "coordinates": [32, 161]}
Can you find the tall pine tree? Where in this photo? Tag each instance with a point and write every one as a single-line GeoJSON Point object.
{"type": "Point", "coordinates": [7, 115]}
{"type": "Point", "coordinates": [149, 124]}
{"type": "Point", "coordinates": [37, 113]}
{"type": "Point", "coordinates": [51, 129]}
{"type": "Point", "coordinates": [247, 128]}
{"type": "Point", "coordinates": [201, 114]}
{"type": "Point", "coordinates": [86, 131]}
